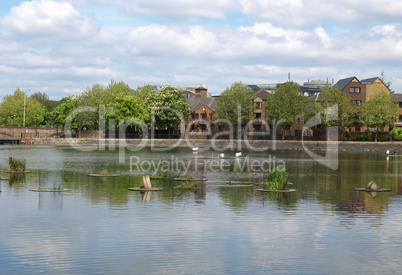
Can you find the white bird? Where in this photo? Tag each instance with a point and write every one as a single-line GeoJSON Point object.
{"type": "Point", "coordinates": [195, 148]}
{"type": "Point", "coordinates": [222, 155]}
{"type": "Point", "coordinates": [238, 154]}
{"type": "Point", "coordinates": [387, 152]}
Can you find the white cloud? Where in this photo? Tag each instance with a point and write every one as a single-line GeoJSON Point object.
{"type": "Point", "coordinates": [321, 33]}
{"type": "Point", "coordinates": [312, 12]}
{"type": "Point", "coordinates": [387, 30]}
{"type": "Point", "coordinates": [177, 9]}
{"type": "Point", "coordinates": [41, 19]}
{"type": "Point", "coordinates": [265, 28]}
{"type": "Point", "coordinates": [59, 46]}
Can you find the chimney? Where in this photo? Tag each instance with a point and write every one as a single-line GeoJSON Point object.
{"type": "Point", "coordinates": [203, 91]}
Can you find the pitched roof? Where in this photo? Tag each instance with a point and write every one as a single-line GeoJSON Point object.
{"type": "Point", "coordinates": [268, 87]}
{"type": "Point", "coordinates": [397, 97]}
{"type": "Point", "coordinates": [195, 101]}
{"type": "Point", "coordinates": [342, 83]}
{"type": "Point", "coordinates": [368, 80]}
{"type": "Point", "coordinates": [261, 93]}
{"type": "Point", "coordinates": [310, 90]}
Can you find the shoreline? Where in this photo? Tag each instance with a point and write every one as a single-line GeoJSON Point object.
{"type": "Point", "coordinates": [258, 145]}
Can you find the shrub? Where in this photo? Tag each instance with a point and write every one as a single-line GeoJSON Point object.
{"type": "Point", "coordinates": [383, 138]}
{"type": "Point", "coordinates": [187, 186]}
{"type": "Point", "coordinates": [398, 137]}
{"type": "Point", "coordinates": [397, 134]}
{"type": "Point", "coordinates": [16, 165]}
{"type": "Point", "coordinates": [361, 137]}
{"type": "Point", "coordinates": [277, 179]}
{"type": "Point", "coordinates": [164, 175]}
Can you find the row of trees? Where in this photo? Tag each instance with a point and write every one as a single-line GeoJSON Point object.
{"type": "Point", "coordinates": [121, 104]}
{"type": "Point", "coordinates": [287, 106]}
{"type": "Point", "coordinates": [118, 102]}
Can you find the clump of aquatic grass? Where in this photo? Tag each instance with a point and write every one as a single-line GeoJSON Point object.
{"type": "Point", "coordinates": [190, 177]}
{"type": "Point", "coordinates": [165, 175]}
{"type": "Point", "coordinates": [104, 172]}
{"type": "Point", "coordinates": [187, 186]}
{"type": "Point", "coordinates": [58, 187]}
{"type": "Point", "coordinates": [16, 165]}
{"type": "Point", "coordinates": [277, 179]}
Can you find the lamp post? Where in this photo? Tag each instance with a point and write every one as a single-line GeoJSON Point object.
{"type": "Point", "coordinates": [57, 117]}
{"type": "Point", "coordinates": [36, 125]}
{"type": "Point", "coordinates": [23, 124]}
{"type": "Point", "coordinates": [13, 116]}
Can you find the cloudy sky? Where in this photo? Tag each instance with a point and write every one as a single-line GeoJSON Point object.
{"type": "Point", "coordinates": [62, 47]}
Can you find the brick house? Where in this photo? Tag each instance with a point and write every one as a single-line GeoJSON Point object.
{"type": "Point", "coordinates": [199, 123]}
{"type": "Point", "coordinates": [258, 114]}
{"type": "Point", "coordinates": [361, 91]}
{"type": "Point", "coordinates": [398, 98]}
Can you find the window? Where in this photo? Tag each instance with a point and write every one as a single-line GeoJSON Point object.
{"type": "Point", "coordinates": [400, 118]}
{"type": "Point", "coordinates": [400, 104]}
{"type": "Point", "coordinates": [258, 105]}
{"type": "Point", "coordinates": [354, 90]}
{"type": "Point", "coordinates": [357, 128]}
{"type": "Point", "coordinates": [357, 102]}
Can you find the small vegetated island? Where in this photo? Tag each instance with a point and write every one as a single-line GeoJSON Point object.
{"type": "Point", "coordinates": [189, 183]}
{"type": "Point", "coordinates": [277, 181]}
{"type": "Point", "coordinates": [104, 173]}
{"type": "Point", "coordinates": [16, 165]}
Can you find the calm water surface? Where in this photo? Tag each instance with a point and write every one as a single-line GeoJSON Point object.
{"type": "Point", "coordinates": [225, 227]}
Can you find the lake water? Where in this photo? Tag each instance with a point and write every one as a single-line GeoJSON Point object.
{"type": "Point", "coordinates": [225, 227]}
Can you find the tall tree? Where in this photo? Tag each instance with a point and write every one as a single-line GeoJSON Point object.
{"type": "Point", "coordinates": [125, 108]}
{"type": "Point", "coordinates": [169, 107]}
{"type": "Point", "coordinates": [12, 110]}
{"type": "Point", "coordinates": [145, 92]}
{"type": "Point", "coordinates": [284, 105]}
{"type": "Point", "coordinates": [235, 104]}
{"type": "Point", "coordinates": [334, 97]}
{"type": "Point", "coordinates": [60, 114]}
{"type": "Point", "coordinates": [378, 112]}
{"type": "Point", "coordinates": [387, 83]}
{"type": "Point", "coordinates": [43, 98]}
{"type": "Point", "coordinates": [99, 95]}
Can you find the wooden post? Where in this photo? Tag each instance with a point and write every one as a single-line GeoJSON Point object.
{"type": "Point", "coordinates": [146, 182]}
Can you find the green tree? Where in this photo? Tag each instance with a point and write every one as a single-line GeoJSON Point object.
{"type": "Point", "coordinates": [43, 98]}
{"type": "Point", "coordinates": [114, 89]}
{"type": "Point", "coordinates": [146, 92]}
{"type": "Point", "coordinates": [125, 108]}
{"type": "Point", "coordinates": [378, 112]}
{"type": "Point", "coordinates": [96, 97]}
{"type": "Point", "coordinates": [235, 104]}
{"type": "Point", "coordinates": [169, 107]}
{"type": "Point", "coordinates": [332, 96]}
{"type": "Point", "coordinates": [12, 110]}
{"type": "Point", "coordinates": [60, 114]}
{"type": "Point", "coordinates": [387, 83]}
{"type": "Point", "coordinates": [285, 104]}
